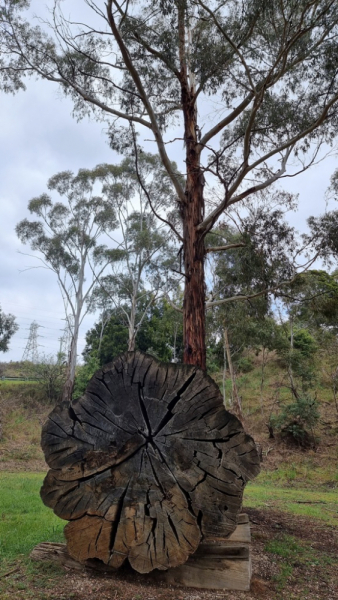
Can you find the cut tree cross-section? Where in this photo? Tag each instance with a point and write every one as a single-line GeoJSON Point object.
{"type": "Point", "coordinates": [146, 464]}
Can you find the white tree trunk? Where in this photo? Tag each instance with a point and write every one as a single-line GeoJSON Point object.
{"type": "Point", "coordinates": [132, 329]}
{"type": "Point", "coordinates": [70, 379]}
{"type": "Point", "coordinates": [263, 365]}
{"type": "Point", "coordinates": [235, 396]}
{"type": "Point", "coordinates": [225, 375]}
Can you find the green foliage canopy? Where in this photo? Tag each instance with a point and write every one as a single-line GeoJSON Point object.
{"type": "Point", "coordinates": [160, 333]}
{"type": "Point", "coordinates": [8, 327]}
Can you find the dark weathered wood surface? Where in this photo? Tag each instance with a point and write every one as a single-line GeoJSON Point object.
{"type": "Point", "coordinates": [223, 565]}
{"type": "Point", "coordinates": [145, 464]}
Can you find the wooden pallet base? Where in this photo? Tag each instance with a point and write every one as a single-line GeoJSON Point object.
{"type": "Point", "coordinates": [222, 564]}
{"type": "Point", "coordinates": [216, 573]}
{"type": "Point", "coordinates": [217, 564]}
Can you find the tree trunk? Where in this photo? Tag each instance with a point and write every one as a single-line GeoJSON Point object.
{"type": "Point", "coordinates": [132, 327]}
{"type": "Point", "coordinates": [235, 396]}
{"type": "Point", "coordinates": [224, 374]}
{"type": "Point", "coordinates": [70, 376]}
{"type": "Point", "coordinates": [77, 310]}
{"type": "Point", "coordinates": [104, 320]}
{"type": "Point", "coordinates": [263, 365]}
{"type": "Point", "coordinates": [194, 292]}
{"type": "Point", "coordinates": [101, 334]}
{"type": "Point", "coordinates": [193, 244]}
{"type": "Point", "coordinates": [145, 464]}
{"type": "Point", "coordinates": [290, 371]}
{"type": "Point", "coordinates": [293, 386]}
{"type": "Point", "coordinates": [224, 565]}
{"type": "Point", "coordinates": [70, 373]}
{"type": "Point", "coordinates": [175, 342]}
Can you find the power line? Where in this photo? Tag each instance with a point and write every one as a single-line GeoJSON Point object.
{"type": "Point", "coordinates": [28, 308]}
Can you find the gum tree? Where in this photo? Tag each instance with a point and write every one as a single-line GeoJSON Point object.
{"type": "Point", "coordinates": [142, 264]}
{"type": "Point", "coordinates": [259, 257]}
{"type": "Point", "coordinates": [248, 87]}
{"type": "Point", "coordinates": [66, 236]}
{"type": "Point", "coordinates": [8, 327]}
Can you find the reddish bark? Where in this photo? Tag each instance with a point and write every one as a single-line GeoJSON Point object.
{"type": "Point", "coordinates": [193, 244]}
{"type": "Point", "coordinates": [194, 292]}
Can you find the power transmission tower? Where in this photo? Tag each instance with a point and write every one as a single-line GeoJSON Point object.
{"type": "Point", "coordinates": [66, 338]}
{"type": "Point", "coordinates": [31, 351]}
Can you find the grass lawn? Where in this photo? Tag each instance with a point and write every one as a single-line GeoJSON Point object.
{"type": "Point", "coordinates": [297, 569]}
{"type": "Point", "coordinates": [321, 505]}
{"type": "Point", "coordinates": [8, 382]}
{"type": "Point", "coordinates": [24, 520]}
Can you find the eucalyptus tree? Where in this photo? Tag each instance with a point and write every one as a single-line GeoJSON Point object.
{"type": "Point", "coordinates": [313, 301]}
{"type": "Point", "coordinates": [250, 87]}
{"type": "Point", "coordinates": [66, 236]}
{"type": "Point", "coordinates": [141, 270]}
{"type": "Point", "coordinates": [160, 335]}
{"type": "Point", "coordinates": [8, 327]}
{"type": "Point", "coordinates": [324, 237]}
{"type": "Point", "coordinates": [259, 256]}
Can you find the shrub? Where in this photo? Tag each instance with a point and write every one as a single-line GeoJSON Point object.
{"type": "Point", "coordinates": [50, 373]}
{"type": "Point", "coordinates": [85, 373]}
{"type": "Point", "coordinates": [245, 364]}
{"type": "Point", "coordinates": [305, 343]}
{"type": "Point", "coordinates": [297, 421]}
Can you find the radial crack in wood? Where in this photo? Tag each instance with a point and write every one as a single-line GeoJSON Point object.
{"type": "Point", "coordinates": [146, 464]}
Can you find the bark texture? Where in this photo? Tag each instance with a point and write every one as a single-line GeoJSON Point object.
{"type": "Point", "coordinates": [192, 210]}
{"type": "Point", "coordinates": [194, 289]}
{"type": "Point", "coordinates": [146, 464]}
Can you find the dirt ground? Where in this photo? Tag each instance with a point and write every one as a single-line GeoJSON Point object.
{"type": "Point", "coordinates": [294, 558]}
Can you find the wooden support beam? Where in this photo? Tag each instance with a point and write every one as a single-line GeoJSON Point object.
{"type": "Point", "coordinates": [221, 565]}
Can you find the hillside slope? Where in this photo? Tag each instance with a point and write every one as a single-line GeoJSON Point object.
{"type": "Point", "coordinates": [23, 411]}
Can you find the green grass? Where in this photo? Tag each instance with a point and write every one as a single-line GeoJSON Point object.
{"type": "Point", "coordinates": [9, 382]}
{"type": "Point", "coordinates": [249, 386]}
{"type": "Point", "coordinates": [11, 385]}
{"type": "Point", "coordinates": [24, 520]}
{"type": "Point", "coordinates": [303, 473]}
{"type": "Point", "coordinates": [320, 505]}
{"type": "Point", "coordinates": [30, 580]}
{"type": "Point", "coordinates": [290, 552]}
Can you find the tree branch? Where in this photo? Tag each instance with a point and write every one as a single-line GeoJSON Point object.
{"type": "Point", "coordinates": [224, 248]}
{"type": "Point", "coordinates": [231, 43]}
{"type": "Point", "coordinates": [226, 121]}
{"type": "Point", "coordinates": [147, 193]}
{"type": "Point", "coordinates": [288, 145]}
{"type": "Point", "coordinates": [154, 125]}
{"type": "Point", "coordinates": [180, 310]}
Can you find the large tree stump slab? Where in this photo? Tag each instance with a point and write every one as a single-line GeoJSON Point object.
{"type": "Point", "coordinates": [146, 464]}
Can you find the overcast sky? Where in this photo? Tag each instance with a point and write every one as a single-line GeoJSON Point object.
{"type": "Point", "coordinates": [38, 138]}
